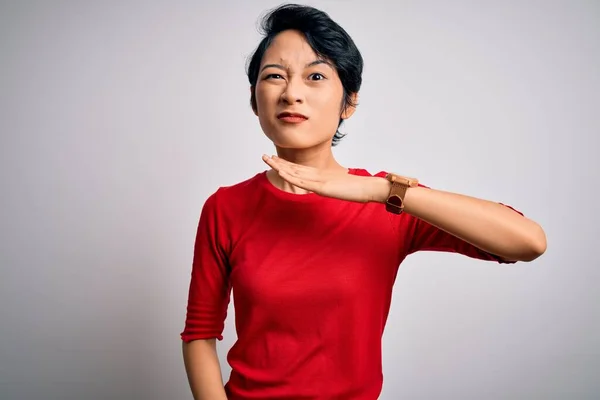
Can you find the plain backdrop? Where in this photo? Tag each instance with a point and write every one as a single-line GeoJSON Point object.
{"type": "Point", "coordinates": [119, 118]}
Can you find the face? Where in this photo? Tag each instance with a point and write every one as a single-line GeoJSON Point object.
{"type": "Point", "coordinates": [298, 95]}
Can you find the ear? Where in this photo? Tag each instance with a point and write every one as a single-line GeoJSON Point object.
{"type": "Point", "coordinates": [350, 109]}
{"type": "Point", "coordinates": [253, 100]}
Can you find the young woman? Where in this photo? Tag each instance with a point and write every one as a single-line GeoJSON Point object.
{"type": "Point", "coordinates": [311, 248]}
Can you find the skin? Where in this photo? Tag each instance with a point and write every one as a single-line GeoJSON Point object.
{"type": "Point", "coordinates": [292, 79]}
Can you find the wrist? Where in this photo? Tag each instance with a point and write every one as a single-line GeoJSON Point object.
{"type": "Point", "coordinates": [411, 198]}
{"type": "Point", "coordinates": [380, 190]}
{"type": "Point", "coordinates": [393, 193]}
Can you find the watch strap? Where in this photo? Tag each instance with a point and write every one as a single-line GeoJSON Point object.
{"type": "Point", "coordinates": [399, 185]}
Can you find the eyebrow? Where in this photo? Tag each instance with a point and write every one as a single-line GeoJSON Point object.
{"type": "Point", "coordinates": [311, 64]}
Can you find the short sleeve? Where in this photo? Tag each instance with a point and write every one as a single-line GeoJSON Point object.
{"type": "Point", "coordinates": [423, 236]}
{"type": "Point", "coordinates": [209, 290]}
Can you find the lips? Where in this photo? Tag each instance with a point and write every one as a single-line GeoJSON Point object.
{"type": "Point", "coordinates": [291, 117]}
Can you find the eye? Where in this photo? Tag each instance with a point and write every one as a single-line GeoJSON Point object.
{"type": "Point", "coordinates": [316, 77]}
{"type": "Point", "coordinates": [273, 76]}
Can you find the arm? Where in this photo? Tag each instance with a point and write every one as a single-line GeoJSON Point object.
{"type": "Point", "coordinates": [489, 226]}
{"type": "Point", "coordinates": [203, 370]}
{"type": "Point", "coordinates": [208, 299]}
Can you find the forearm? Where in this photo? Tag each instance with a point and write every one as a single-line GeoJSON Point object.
{"type": "Point", "coordinates": [203, 370]}
{"type": "Point", "coordinates": [490, 226]}
{"type": "Point", "coordinates": [487, 225]}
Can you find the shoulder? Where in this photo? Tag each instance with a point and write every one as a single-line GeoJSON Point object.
{"type": "Point", "coordinates": [234, 196]}
{"type": "Point", "coordinates": [380, 174]}
{"type": "Point", "coordinates": [364, 172]}
{"type": "Point", "coordinates": [227, 192]}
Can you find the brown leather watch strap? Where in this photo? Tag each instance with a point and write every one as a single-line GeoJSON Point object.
{"type": "Point", "coordinates": [395, 200]}
{"type": "Point", "coordinates": [400, 184]}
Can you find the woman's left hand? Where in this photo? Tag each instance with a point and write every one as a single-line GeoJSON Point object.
{"type": "Point", "coordinates": [339, 185]}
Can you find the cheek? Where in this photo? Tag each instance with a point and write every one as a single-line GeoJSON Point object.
{"type": "Point", "coordinates": [265, 96]}
{"type": "Point", "coordinates": [329, 105]}
{"type": "Point", "coordinates": [259, 97]}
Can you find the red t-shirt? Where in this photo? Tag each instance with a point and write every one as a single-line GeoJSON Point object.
{"type": "Point", "coordinates": [312, 282]}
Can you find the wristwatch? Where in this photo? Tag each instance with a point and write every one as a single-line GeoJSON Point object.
{"type": "Point", "coordinates": [400, 184]}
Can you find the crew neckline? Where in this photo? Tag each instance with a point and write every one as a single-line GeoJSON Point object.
{"type": "Point", "coordinates": [282, 194]}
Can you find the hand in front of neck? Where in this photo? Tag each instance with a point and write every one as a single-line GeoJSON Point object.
{"type": "Point", "coordinates": [337, 184]}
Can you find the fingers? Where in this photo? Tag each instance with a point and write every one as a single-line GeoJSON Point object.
{"type": "Point", "coordinates": [308, 178]}
{"type": "Point", "coordinates": [270, 162]}
{"type": "Point", "coordinates": [292, 169]}
{"type": "Point", "coordinates": [281, 163]}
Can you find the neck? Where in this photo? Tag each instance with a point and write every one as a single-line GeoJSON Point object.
{"type": "Point", "coordinates": [321, 158]}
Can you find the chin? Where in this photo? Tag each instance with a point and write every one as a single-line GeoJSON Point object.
{"type": "Point", "coordinates": [294, 138]}
{"type": "Point", "coordinates": [290, 142]}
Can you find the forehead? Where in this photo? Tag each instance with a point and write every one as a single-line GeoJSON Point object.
{"type": "Point", "coordinates": [289, 48]}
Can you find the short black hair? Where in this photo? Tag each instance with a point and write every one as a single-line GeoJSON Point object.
{"type": "Point", "coordinates": [328, 39]}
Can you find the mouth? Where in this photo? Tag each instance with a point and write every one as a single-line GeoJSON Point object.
{"type": "Point", "coordinates": [292, 118]}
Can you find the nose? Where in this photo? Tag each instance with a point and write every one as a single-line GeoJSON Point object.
{"type": "Point", "coordinates": [293, 92]}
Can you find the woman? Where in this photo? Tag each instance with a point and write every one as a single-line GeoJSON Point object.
{"type": "Point", "coordinates": [311, 248]}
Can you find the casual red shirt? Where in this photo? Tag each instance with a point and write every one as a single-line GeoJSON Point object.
{"type": "Point", "coordinates": [312, 282]}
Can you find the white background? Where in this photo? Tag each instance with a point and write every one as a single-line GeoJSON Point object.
{"type": "Point", "coordinates": [119, 118]}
